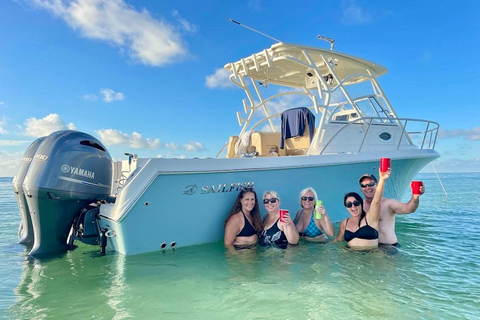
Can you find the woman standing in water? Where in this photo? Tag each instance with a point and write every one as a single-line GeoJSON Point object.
{"type": "Point", "coordinates": [361, 229]}
{"type": "Point", "coordinates": [243, 222]}
{"type": "Point", "coordinates": [312, 222]}
{"type": "Point", "coordinates": [276, 232]}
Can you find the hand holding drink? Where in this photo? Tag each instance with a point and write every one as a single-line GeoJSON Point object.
{"type": "Point", "coordinates": [284, 215]}
{"type": "Point", "coordinates": [385, 164]}
{"type": "Point", "coordinates": [318, 204]}
{"type": "Point", "coordinates": [416, 187]}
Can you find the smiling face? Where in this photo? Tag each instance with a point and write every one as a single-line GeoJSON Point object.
{"type": "Point", "coordinates": [368, 187]}
{"type": "Point", "coordinates": [269, 206]}
{"type": "Point", "coordinates": [308, 204]}
{"type": "Point", "coordinates": [248, 201]}
{"type": "Point", "coordinates": [354, 210]}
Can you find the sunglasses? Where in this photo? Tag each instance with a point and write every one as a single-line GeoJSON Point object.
{"type": "Point", "coordinates": [349, 204]}
{"type": "Point", "coordinates": [248, 189]}
{"type": "Point", "coordinates": [307, 198]}
{"type": "Point", "coordinates": [364, 185]}
{"type": "Point", "coordinates": [272, 200]}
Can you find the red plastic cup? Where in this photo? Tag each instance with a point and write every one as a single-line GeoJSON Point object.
{"type": "Point", "coordinates": [283, 214]}
{"type": "Point", "coordinates": [384, 164]}
{"type": "Point", "coordinates": [416, 187]}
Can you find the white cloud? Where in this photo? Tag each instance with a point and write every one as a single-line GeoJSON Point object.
{"type": "Point", "coordinates": [3, 104]}
{"type": "Point", "coordinates": [353, 14]}
{"type": "Point", "coordinates": [43, 127]}
{"type": "Point", "coordinates": [255, 5]}
{"type": "Point", "coordinates": [90, 96]}
{"type": "Point", "coordinates": [285, 102]}
{"type": "Point", "coordinates": [147, 40]}
{"type": "Point", "coordinates": [190, 146]}
{"type": "Point", "coordinates": [3, 123]}
{"type": "Point", "coordinates": [187, 26]}
{"type": "Point", "coordinates": [13, 143]}
{"type": "Point", "coordinates": [135, 140]}
{"type": "Point", "coordinates": [171, 155]}
{"type": "Point", "coordinates": [194, 146]}
{"type": "Point", "coordinates": [172, 146]}
{"type": "Point", "coordinates": [220, 79]}
{"type": "Point", "coordinates": [109, 95]}
{"type": "Point", "coordinates": [469, 134]}
{"type": "Point", "coordinates": [9, 163]}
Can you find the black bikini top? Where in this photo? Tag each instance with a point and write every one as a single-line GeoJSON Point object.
{"type": "Point", "coordinates": [366, 232]}
{"type": "Point", "coordinates": [248, 230]}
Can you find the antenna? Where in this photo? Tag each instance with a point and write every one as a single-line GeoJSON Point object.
{"type": "Point", "coordinates": [332, 41]}
{"type": "Point", "coordinates": [263, 34]}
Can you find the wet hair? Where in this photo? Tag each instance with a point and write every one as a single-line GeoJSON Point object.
{"type": "Point", "coordinates": [272, 193]}
{"type": "Point", "coordinates": [302, 193]}
{"type": "Point", "coordinates": [237, 207]}
{"type": "Point", "coordinates": [359, 199]}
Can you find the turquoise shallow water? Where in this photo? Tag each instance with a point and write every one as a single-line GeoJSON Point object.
{"type": "Point", "coordinates": [434, 275]}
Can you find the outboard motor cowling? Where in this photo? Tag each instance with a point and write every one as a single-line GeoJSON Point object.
{"type": "Point", "coordinates": [26, 228]}
{"type": "Point", "coordinates": [69, 171]}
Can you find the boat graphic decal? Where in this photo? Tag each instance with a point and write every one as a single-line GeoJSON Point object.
{"type": "Point", "coordinates": [97, 185]}
{"type": "Point", "coordinates": [189, 190]}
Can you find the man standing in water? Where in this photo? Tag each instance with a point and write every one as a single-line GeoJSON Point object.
{"type": "Point", "coordinates": [389, 207]}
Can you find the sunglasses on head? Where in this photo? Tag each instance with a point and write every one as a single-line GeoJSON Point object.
{"type": "Point", "coordinates": [364, 185]}
{"type": "Point", "coordinates": [272, 200]}
{"type": "Point", "coordinates": [248, 189]}
{"type": "Point", "coordinates": [349, 204]}
{"type": "Point", "coordinates": [307, 198]}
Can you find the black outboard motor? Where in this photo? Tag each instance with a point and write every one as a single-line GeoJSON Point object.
{"type": "Point", "coordinates": [69, 171]}
{"type": "Point", "coordinates": [26, 228]}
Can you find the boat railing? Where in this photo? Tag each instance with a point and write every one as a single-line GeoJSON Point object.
{"type": "Point", "coordinates": [406, 133]}
{"type": "Point", "coordinates": [424, 132]}
{"type": "Point", "coordinates": [222, 149]}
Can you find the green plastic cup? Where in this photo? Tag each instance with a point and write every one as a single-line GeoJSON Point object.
{"type": "Point", "coordinates": [318, 203]}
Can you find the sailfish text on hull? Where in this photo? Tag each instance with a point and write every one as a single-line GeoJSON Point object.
{"type": "Point", "coordinates": [226, 187]}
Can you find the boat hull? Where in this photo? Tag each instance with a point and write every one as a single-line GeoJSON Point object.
{"type": "Point", "coordinates": [185, 202]}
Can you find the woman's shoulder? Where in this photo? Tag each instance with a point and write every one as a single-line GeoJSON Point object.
{"type": "Point", "coordinates": [298, 213]}
{"type": "Point", "coordinates": [297, 216]}
{"type": "Point", "coordinates": [236, 217]}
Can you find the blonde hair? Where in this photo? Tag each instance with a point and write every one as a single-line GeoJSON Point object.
{"type": "Point", "coordinates": [302, 193]}
{"type": "Point", "coordinates": [272, 193]}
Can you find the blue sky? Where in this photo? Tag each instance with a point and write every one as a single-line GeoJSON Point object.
{"type": "Point", "coordinates": [146, 77]}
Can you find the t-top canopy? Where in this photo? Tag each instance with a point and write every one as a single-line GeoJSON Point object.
{"type": "Point", "coordinates": [294, 66]}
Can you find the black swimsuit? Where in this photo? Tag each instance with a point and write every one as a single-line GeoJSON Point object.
{"type": "Point", "coordinates": [248, 230]}
{"type": "Point", "coordinates": [273, 236]}
{"type": "Point", "coordinates": [366, 232]}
